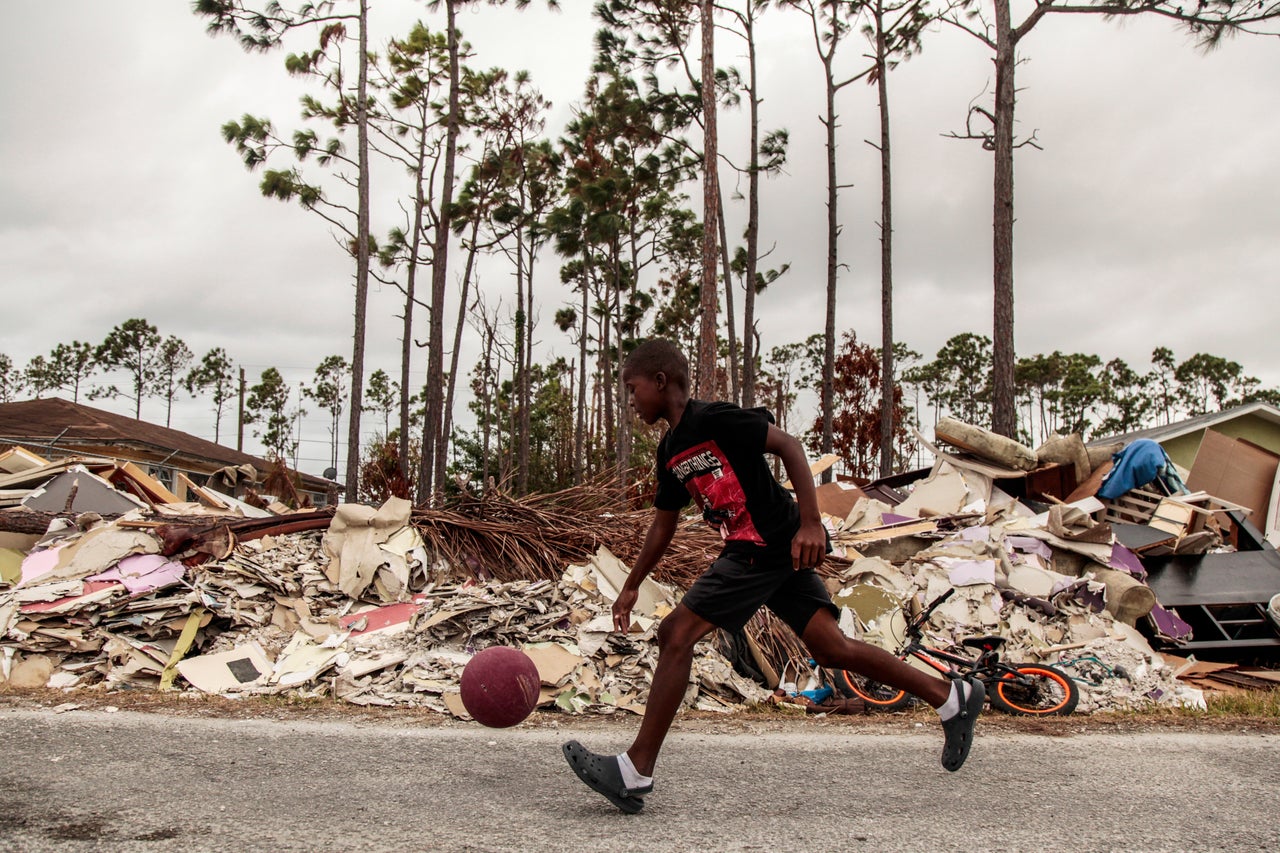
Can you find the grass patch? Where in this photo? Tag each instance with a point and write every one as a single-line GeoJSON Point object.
{"type": "Point", "coordinates": [1246, 703]}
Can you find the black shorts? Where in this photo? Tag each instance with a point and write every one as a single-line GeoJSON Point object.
{"type": "Point", "coordinates": [736, 585]}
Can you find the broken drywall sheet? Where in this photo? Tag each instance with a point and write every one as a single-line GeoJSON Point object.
{"type": "Point", "coordinates": [37, 565]}
{"type": "Point", "coordinates": [403, 549]}
{"type": "Point", "coordinates": [303, 660]}
{"type": "Point", "coordinates": [968, 572]}
{"type": "Point", "coordinates": [228, 671]}
{"type": "Point", "coordinates": [101, 548]}
{"type": "Point", "coordinates": [143, 573]}
{"type": "Point", "coordinates": [943, 493]}
{"type": "Point", "coordinates": [606, 574]}
{"type": "Point", "coordinates": [353, 538]}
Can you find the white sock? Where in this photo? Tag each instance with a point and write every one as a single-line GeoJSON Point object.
{"type": "Point", "coordinates": [630, 776]}
{"type": "Point", "coordinates": [951, 707]}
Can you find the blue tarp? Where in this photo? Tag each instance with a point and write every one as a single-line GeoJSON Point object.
{"type": "Point", "coordinates": [1138, 464]}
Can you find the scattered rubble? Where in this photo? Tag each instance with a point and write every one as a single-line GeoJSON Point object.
{"type": "Point", "coordinates": [123, 588]}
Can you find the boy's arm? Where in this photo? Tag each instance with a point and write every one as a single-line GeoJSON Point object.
{"type": "Point", "coordinates": [661, 530]}
{"type": "Point", "coordinates": [809, 546]}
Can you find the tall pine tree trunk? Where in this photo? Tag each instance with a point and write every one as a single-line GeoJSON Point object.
{"type": "Point", "coordinates": [725, 265]}
{"type": "Point", "coordinates": [580, 433]}
{"type": "Point", "coordinates": [1003, 413]}
{"type": "Point", "coordinates": [362, 262]}
{"type": "Point", "coordinates": [706, 382]}
{"type": "Point", "coordinates": [452, 384]}
{"type": "Point", "coordinates": [753, 225]}
{"type": "Point", "coordinates": [833, 233]}
{"type": "Point", "coordinates": [411, 285]}
{"type": "Point", "coordinates": [431, 471]}
{"type": "Point", "coordinates": [886, 252]}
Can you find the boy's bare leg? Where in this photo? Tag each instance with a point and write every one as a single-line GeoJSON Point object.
{"type": "Point", "coordinates": [958, 702]}
{"type": "Point", "coordinates": [831, 648]}
{"type": "Point", "coordinates": [677, 635]}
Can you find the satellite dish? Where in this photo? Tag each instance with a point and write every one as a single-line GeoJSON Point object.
{"type": "Point", "coordinates": [330, 473]}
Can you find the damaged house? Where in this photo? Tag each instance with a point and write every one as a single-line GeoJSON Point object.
{"type": "Point", "coordinates": [59, 429]}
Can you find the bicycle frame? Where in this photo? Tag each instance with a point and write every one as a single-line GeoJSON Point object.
{"type": "Point", "coordinates": [985, 666]}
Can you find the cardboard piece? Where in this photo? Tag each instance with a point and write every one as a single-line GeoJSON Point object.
{"type": "Point", "coordinates": [11, 560]}
{"type": "Point", "coordinates": [838, 499]}
{"type": "Point", "coordinates": [554, 661]}
{"type": "Point", "coordinates": [1235, 471]}
{"type": "Point", "coordinates": [944, 493]}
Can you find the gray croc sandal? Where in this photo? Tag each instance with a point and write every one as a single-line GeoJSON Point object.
{"type": "Point", "coordinates": [601, 774]}
{"type": "Point", "coordinates": [959, 729]}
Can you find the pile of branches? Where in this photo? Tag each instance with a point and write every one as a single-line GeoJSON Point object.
{"type": "Point", "coordinates": [506, 538]}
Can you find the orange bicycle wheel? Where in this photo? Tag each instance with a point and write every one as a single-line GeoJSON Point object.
{"type": "Point", "coordinates": [878, 696]}
{"type": "Point", "coordinates": [1038, 690]}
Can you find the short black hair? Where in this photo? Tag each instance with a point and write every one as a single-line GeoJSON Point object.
{"type": "Point", "coordinates": [658, 355]}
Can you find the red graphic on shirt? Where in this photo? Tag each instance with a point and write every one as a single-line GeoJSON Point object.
{"type": "Point", "coordinates": [706, 473]}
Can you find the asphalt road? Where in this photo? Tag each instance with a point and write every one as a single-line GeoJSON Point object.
{"type": "Point", "coordinates": [91, 780]}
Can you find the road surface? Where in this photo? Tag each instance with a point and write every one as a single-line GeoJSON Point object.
{"type": "Point", "coordinates": [93, 780]}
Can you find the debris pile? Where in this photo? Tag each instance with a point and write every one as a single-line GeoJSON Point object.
{"type": "Point", "coordinates": [1051, 551]}
{"type": "Point", "coordinates": [366, 605]}
{"type": "Point", "coordinates": [108, 584]}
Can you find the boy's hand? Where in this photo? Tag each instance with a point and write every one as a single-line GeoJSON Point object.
{"type": "Point", "coordinates": [622, 609]}
{"type": "Point", "coordinates": [809, 547]}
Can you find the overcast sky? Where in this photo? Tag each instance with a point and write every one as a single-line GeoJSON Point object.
{"type": "Point", "coordinates": [1151, 217]}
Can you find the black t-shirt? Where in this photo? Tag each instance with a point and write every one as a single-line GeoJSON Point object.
{"type": "Point", "coordinates": [715, 455]}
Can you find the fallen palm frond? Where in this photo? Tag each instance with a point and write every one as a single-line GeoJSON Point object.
{"type": "Point", "coordinates": [534, 537]}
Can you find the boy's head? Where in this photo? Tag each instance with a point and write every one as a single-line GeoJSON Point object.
{"type": "Point", "coordinates": [656, 375]}
{"type": "Point", "coordinates": [655, 356]}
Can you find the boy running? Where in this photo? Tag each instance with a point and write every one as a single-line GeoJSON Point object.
{"type": "Point", "coordinates": [715, 453]}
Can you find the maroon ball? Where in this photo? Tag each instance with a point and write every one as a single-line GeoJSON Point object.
{"type": "Point", "coordinates": [500, 686]}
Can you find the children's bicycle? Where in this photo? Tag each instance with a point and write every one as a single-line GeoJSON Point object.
{"type": "Point", "coordinates": [1028, 689]}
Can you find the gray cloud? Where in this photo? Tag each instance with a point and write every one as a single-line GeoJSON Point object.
{"type": "Point", "coordinates": [1149, 219]}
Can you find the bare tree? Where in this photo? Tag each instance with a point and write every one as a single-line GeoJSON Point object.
{"type": "Point", "coordinates": [991, 22]}
{"type": "Point", "coordinates": [265, 27]}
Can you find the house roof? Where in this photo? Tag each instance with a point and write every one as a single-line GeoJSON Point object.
{"type": "Point", "coordinates": [69, 426]}
{"type": "Point", "coordinates": [1266, 411]}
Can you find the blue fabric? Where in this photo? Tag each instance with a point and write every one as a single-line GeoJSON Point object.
{"type": "Point", "coordinates": [1138, 464]}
